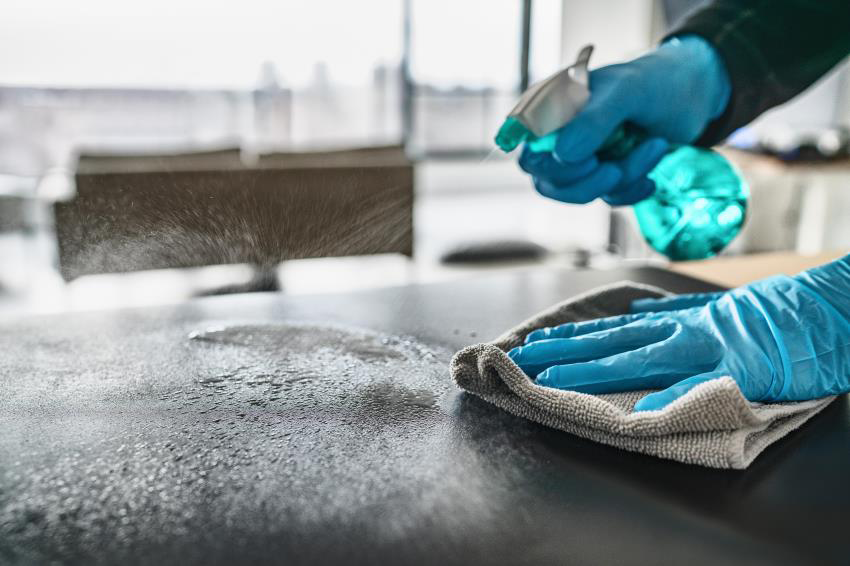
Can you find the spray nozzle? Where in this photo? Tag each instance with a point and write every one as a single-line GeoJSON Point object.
{"type": "Point", "coordinates": [547, 106]}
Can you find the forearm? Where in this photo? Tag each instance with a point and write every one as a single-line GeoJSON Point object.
{"type": "Point", "coordinates": [772, 50]}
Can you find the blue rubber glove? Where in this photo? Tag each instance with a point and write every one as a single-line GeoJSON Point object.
{"type": "Point", "coordinates": [672, 93]}
{"type": "Point", "coordinates": [781, 339]}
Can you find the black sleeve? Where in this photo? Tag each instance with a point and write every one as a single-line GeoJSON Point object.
{"type": "Point", "coordinates": [772, 49]}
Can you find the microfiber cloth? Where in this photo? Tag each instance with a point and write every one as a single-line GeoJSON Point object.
{"type": "Point", "coordinates": [712, 425]}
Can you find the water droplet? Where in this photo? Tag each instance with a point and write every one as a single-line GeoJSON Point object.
{"type": "Point", "coordinates": [209, 379]}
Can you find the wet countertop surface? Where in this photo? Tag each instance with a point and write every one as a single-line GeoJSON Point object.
{"type": "Point", "coordinates": [301, 430]}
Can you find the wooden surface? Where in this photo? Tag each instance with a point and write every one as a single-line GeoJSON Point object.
{"type": "Point", "coordinates": [748, 160]}
{"type": "Point", "coordinates": [740, 270]}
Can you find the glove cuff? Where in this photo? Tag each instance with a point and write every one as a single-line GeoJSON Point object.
{"type": "Point", "coordinates": [810, 332]}
{"type": "Point", "coordinates": [832, 282]}
{"type": "Point", "coordinates": [697, 52]}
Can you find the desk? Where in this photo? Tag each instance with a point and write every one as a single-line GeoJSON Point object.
{"type": "Point", "coordinates": [112, 452]}
{"type": "Point", "coordinates": [733, 271]}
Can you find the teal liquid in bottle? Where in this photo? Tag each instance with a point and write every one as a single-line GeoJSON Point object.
{"type": "Point", "coordinates": [700, 200]}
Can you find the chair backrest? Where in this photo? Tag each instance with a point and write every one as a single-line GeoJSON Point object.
{"type": "Point", "coordinates": [150, 212]}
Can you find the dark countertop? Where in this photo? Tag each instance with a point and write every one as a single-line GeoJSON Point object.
{"type": "Point", "coordinates": [123, 441]}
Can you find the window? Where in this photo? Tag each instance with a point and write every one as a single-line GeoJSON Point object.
{"type": "Point", "coordinates": [157, 75]}
{"type": "Point", "coordinates": [161, 74]}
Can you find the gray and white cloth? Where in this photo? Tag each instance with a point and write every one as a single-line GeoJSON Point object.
{"type": "Point", "coordinates": [712, 425]}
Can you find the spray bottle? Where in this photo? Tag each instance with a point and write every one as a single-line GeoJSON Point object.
{"type": "Point", "coordinates": [700, 200]}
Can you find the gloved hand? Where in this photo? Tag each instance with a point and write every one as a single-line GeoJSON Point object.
{"type": "Point", "coordinates": [672, 93]}
{"type": "Point", "coordinates": [781, 339]}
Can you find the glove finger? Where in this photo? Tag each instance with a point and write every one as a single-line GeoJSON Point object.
{"type": "Point", "coordinates": [573, 329]}
{"type": "Point", "coordinates": [636, 192]}
{"type": "Point", "coordinates": [660, 399]}
{"type": "Point", "coordinates": [545, 166]}
{"type": "Point", "coordinates": [642, 159]}
{"type": "Point", "coordinates": [677, 302]}
{"type": "Point", "coordinates": [656, 365]}
{"type": "Point", "coordinates": [588, 130]}
{"type": "Point", "coordinates": [536, 357]}
{"type": "Point", "coordinates": [635, 186]}
{"type": "Point", "coordinates": [599, 182]}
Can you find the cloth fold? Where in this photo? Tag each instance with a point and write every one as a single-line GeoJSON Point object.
{"type": "Point", "coordinates": [713, 425]}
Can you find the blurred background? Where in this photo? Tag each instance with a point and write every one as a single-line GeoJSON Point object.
{"type": "Point", "coordinates": [353, 139]}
